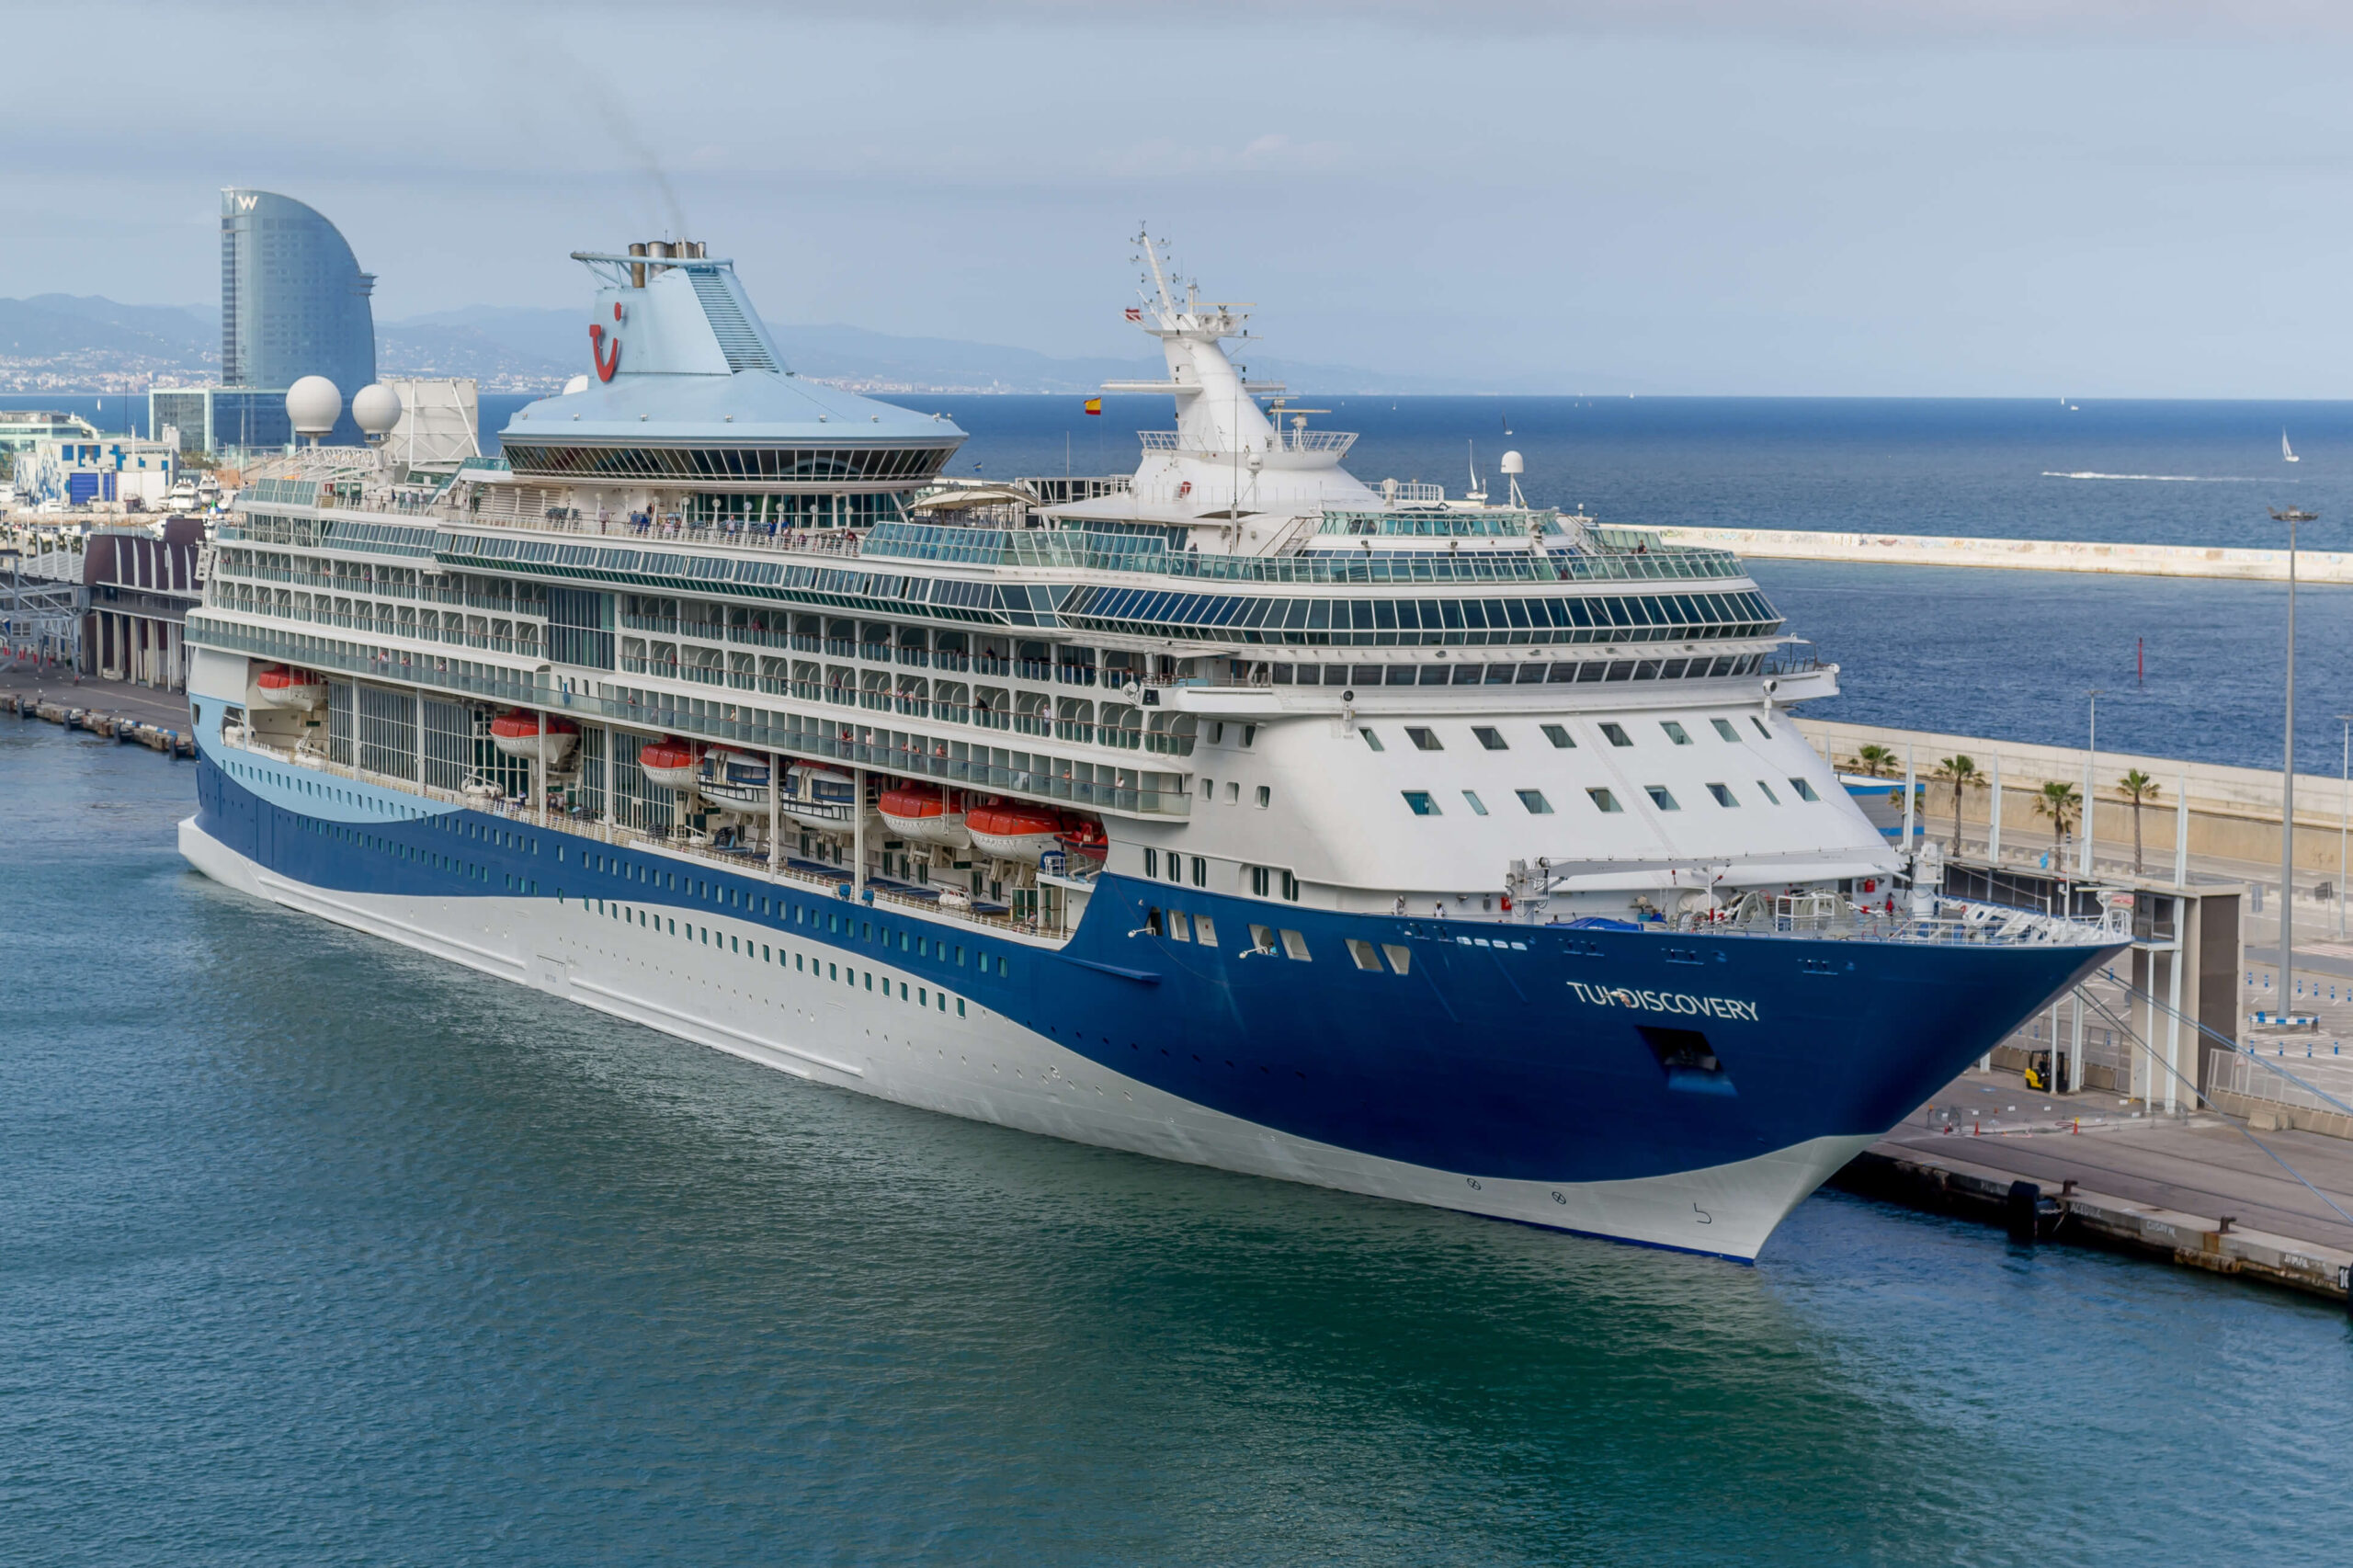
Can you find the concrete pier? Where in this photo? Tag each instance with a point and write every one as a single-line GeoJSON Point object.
{"type": "Point", "coordinates": [2196, 1192]}
{"type": "Point", "coordinates": [2129, 560]}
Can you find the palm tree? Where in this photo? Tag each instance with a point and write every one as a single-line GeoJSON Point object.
{"type": "Point", "coordinates": [1961, 772]}
{"type": "Point", "coordinates": [1874, 761]}
{"type": "Point", "coordinates": [2060, 802]}
{"type": "Point", "coordinates": [2137, 787]}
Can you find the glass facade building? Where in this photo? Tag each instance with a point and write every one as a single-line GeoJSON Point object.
{"type": "Point", "coordinates": [293, 301]}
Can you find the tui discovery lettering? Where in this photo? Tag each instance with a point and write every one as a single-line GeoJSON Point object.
{"type": "Point", "coordinates": [1681, 1002]}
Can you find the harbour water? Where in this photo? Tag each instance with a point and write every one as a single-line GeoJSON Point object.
{"type": "Point", "coordinates": [320, 1252]}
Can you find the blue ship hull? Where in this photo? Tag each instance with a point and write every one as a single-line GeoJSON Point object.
{"type": "Point", "coordinates": [1526, 1053]}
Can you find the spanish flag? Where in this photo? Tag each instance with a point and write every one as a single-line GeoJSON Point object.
{"type": "Point", "coordinates": [1093, 406]}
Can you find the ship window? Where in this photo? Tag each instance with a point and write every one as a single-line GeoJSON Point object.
{"type": "Point", "coordinates": [1265, 797]}
{"type": "Point", "coordinates": [1208, 788]}
{"type": "Point", "coordinates": [1291, 887]}
{"type": "Point", "coordinates": [1262, 939]}
{"type": "Point", "coordinates": [1200, 871]}
{"type": "Point", "coordinates": [1538, 806]}
{"type": "Point", "coordinates": [1760, 726]}
{"type": "Point", "coordinates": [1723, 728]}
{"type": "Point", "coordinates": [1205, 930]}
{"type": "Point", "coordinates": [1175, 866]}
{"type": "Point", "coordinates": [1421, 802]}
{"type": "Point", "coordinates": [1605, 800]}
{"type": "Point", "coordinates": [1373, 740]}
{"type": "Point", "coordinates": [1152, 863]}
{"type": "Point", "coordinates": [1660, 797]}
{"type": "Point", "coordinates": [1295, 947]}
{"type": "Point", "coordinates": [1180, 929]}
{"type": "Point", "coordinates": [1258, 881]}
{"type": "Point", "coordinates": [1722, 795]}
{"type": "Point", "coordinates": [1478, 807]}
{"type": "Point", "coordinates": [1676, 733]}
{"type": "Point", "coordinates": [960, 1007]}
{"type": "Point", "coordinates": [1489, 738]}
{"type": "Point", "coordinates": [1616, 735]}
{"type": "Point", "coordinates": [1558, 735]}
{"type": "Point", "coordinates": [1424, 739]}
{"type": "Point", "coordinates": [1233, 793]}
{"type": "Point", "coordinates": [1770, 798]}
{"type": "Point", "coordinates": [1363, 953]}
{"type": "Point", "coordinates": [1805, 790]}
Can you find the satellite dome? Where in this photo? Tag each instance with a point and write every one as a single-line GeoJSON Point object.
{"type": "Point", "coordinates": [577, 384]}
{"type": "Point", "coordinates": [376, 408]}
{"type": "Point", "coordinates": [314, 404]}
{"type": "Point", "coordinates": [1513, 463]}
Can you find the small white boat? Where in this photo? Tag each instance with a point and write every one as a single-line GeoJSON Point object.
{"type": "Point", "coordinates": [671, 763]}
{"type": "Point", "coordinates": [817, 797]}
{"type": "Point", "coordinates": [738, 781]}
{"type": "Point", "coordinates": [2286, 451]}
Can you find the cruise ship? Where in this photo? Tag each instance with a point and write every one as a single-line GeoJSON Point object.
{"type": "Point", "coordinates": [1450, 849]}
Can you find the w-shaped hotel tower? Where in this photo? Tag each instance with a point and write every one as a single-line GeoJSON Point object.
{"type": "Point", "coordinates": [1235, 811]}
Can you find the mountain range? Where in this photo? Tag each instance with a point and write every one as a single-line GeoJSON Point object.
{"type": "Point", "coordinates": [83, 343]}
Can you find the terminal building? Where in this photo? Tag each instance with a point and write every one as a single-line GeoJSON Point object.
{"type": "Point", "coordinates": [80, 468]}
{"type": "Point", "coordinates": [294, 303]}
{"type": "Point", "coordinates": [22, 429]}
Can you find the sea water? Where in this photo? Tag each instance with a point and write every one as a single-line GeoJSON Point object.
{"type": "Point", "coordinates": [318, 1251]}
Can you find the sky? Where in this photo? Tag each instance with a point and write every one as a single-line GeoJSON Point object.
{"type": "Point", "coordinates": [1969, 198]}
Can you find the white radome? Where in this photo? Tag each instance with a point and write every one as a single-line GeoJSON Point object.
{"type": "Point", "coordinates": [314, 404]}
{"type": "Point", "coordinates": [376, 408]}
{"type": "Point", "coordinates": [1513, 462]}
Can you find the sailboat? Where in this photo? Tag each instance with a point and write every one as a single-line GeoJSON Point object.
{"type": "Point", "coordinates": [2286, 451]}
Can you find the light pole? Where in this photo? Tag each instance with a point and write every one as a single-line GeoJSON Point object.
{"type": "Point", "coordinates": [2091, 762]}
{"type": "Point", "coordinates": [2292, 516]}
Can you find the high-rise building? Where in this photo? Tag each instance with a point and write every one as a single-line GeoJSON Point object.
{"type": "Point", "coordinates": [293, 301]}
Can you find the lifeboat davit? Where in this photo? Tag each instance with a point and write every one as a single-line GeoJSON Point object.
{"type": "Point", "coordinates": [926, 814]}
{"type": "Point", "coordinates": [671, 763]}
{"type": "Point", "coordinates": [517, 733]}
{"type": "Point", "coordinates": [282, 686]}
{"type": "Point", "coordinates": [1011, 830]}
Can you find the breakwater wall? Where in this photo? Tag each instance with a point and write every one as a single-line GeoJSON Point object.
{"type": "Point", "coordinates": [2233, 811]}
{"type": "Point", "coordinates": [2320, 566]}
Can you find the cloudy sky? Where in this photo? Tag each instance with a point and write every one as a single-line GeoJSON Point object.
{"type": "Point", "coordinates": [1698, 197]}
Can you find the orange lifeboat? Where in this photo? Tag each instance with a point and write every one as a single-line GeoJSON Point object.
{"type": "Point", "coordinates": [282, 686]}
{"type": "Point", "coordinates": [517, 733]}
{"type": "Point", "coordinates": [926, 814]}
{"type": "Point", "coordinates": [671, 763]}
{"type": "Point", "coordinates": [1011, 830]}
{"type": "Point", "coordinates": [1085, 836]}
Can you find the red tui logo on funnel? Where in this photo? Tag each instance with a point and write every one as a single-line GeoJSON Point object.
{"type": "Point", "coordinates": [606, 364]}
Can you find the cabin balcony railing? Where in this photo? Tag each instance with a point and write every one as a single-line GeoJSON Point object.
{"type": "Point", "coordinates": [752, 637]}
{"type": "Point", "coordinates": [665, 624]}
{"type": "Point", "coordinates": [946, 758]}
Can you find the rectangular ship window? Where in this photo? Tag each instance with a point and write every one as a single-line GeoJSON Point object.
{"type": "Point", "coordinates": [1616, 735]}
{"type": "Point", "coordinates": [1723, 728]}
{"type": "Point", "coordinates": [1805, 790]}
{"type": "Point", "coordinates": [1605, 800]}
{"type": "Point", "coordinates": [1558, 735]}
{"type": "Point", "coordinates": [1421, 802]}
{"type": "Point", "coordinates": [1365, 956]}
{"type": "Point", "coordinates": [1424, 739]}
